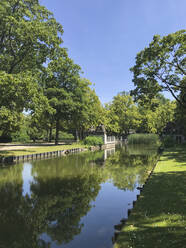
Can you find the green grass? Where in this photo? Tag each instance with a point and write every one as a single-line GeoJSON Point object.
{"type": "Point", "coordinates": [143, 138]}
{"type": "Point", "coordinates": [40, 149]}
{"type": "Point", "coordinates": [158, 219]}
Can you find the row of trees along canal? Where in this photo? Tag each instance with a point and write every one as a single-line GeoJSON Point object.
{"type": "Point", "coordinates": [38, 78]}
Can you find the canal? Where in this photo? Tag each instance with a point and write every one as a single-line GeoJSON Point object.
{"type": "Point", "coordinates": [73, 201]}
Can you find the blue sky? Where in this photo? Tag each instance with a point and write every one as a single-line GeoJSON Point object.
{"type": "Point", "coordinates": [103, 36]}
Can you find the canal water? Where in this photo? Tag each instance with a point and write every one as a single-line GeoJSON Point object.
{"type": "Point", "coordinates": [73, 201]}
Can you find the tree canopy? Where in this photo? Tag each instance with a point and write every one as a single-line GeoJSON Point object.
{"type": "Point", "coordinates": [161, 67]}
{"type": "Point", "coordinates": [122, 114]}
{"type": "Point", "coordinates": [29, 36]}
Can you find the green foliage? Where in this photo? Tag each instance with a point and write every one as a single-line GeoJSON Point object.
{"type": "Point", "coordinates": [65, 136]}
{"type": "Point", "coordinates": [122, 114]}
{"type": "Point", "coordinates": [180, 119]}
{"type": "Point", "coordinates": [156, 116]}
{"type": "Point", "coordinates": [93, 141]}
{"type": "Point", "coordinates": [29, 36]}
{"type": "Point", "coordinates": [145, 139]}
{"type": "Point", "coordinates": [20, 137]}
{"type": "Point", "coordinates": [89, 111]}
{"type": "Point", "coordinates": [17, 93]}
{"type": "Point", "coordinates": [160, 66]}
{"type": "Point", "coordinates": [168, 141]}
{"type": "Point", "coordinates": [61, 87]}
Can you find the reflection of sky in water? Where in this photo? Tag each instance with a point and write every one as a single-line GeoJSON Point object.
{"type": "Point", "coordinates": [27, 178]}
{"type": "Point", "coordinates": [108, 209]}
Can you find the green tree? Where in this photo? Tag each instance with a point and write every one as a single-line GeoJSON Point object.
{"type": "Point", "coordinates": [161, 67]}
{"type": "Point", "coordinates": [18, 92]}
{"type": "Point", "coordinates": [157, 115]}
{"type": "Point", "coordinates": [158, 119]}
{"type": "Point", "coordinates": [61, 84]}
{"type": "Point", "coordinates": [29, 35]}
{"type": "Point", "coordinates": [88, 112]}
{"type": "Point", "coordinates": [122, 114]}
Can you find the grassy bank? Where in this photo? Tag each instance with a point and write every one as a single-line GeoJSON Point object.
{"type": "Point", "coordinates": [158, 219]}
{"type": "Point", "coordinates": [38, 149]}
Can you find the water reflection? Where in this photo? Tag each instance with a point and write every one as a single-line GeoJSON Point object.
{"type": "Point", "coordinates": [129, 166]}
{"type": "Point", "coordinates": [72, 201]}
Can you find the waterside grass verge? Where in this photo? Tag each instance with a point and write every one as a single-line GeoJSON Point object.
{"type": "Point", "coordinates": [158, 219]}
{"type": "Point", "coordinates": [39, 149]}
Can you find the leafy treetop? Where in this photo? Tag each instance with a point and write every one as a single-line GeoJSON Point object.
{"type": "Point", "coordinates": [161, 67]}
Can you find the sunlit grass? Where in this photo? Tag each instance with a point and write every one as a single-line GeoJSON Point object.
{"type": "Point", "coordinates": [39, 149]}
{"type": "Point", "coordinates": [159, 216]}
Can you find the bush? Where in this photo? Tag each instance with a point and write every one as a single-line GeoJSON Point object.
{"type": "Point", "coordinates": [20, 136]}
{"type": "Point", "coordinates": [65, 136]}
{"type": "Point", "coordinates": [145, 139]}
{"type": "Point", "coordinates": [93, 140]}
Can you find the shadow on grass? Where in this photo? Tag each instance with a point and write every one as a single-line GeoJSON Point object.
{"type": "Point", "coordinates": [177, 153]}
{"type": "Point", "coordinates": [159, 217]}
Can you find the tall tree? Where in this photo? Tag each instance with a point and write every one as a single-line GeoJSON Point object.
{"type": "Point", "coordinates": [122, 114]}
{"type": "Point", "coordinates": [155, 116]}
{"type": "Point", "coordinates": [29, 35]}
{"type": "Point", "coordinates": [161, 67]}
{"type": "Point", "coordinates": [89, 111]}
{"type": "Point", "coordinates": [18, 92]}
{"type": "Point", "coordinates": [60, 87]}
{"type": "Point", "coordinates": [158, 119]}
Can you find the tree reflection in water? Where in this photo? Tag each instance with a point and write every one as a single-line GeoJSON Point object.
{"type": "Point", "coordinates": [62, 191]}
{"type": "Point", "coordinates": [129, 166]}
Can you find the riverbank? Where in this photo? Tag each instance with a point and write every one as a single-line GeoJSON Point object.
{"type": "Point", "coordinates": [19, 150]}
{"type": "Point", "coordinates": [16, 153]}
{"type": "Point", "coordinates": [158, 219]}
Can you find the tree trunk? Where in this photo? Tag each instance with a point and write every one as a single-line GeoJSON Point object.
{"type": "Point", "coordinates": [83, 134]}
{"type": "Point", "coordinates": [47, 135]}
{"type": "Point", "coordinates": [77, 135]}
{"type": "Point", "coordinates": [50, 134]}
{"type": "Point", "coordinates": [57, 132]}
{"type": "Point", "coordinates": [80, 134]}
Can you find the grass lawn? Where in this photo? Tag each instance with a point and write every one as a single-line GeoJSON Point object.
{"type": "Point", "coordinates": [158, 219]}
{"type": "Point", "coordinates": [38, 149]}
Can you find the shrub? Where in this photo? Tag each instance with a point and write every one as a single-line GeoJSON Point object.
{"type": "Point", "coordinates": [20, 137]}
{"type": "Point", "coordinates": [65, 136]}
{"type": "Point", "coordinates": [145, 139]}
{"type": "Point", "coordinates": [93, 140]}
